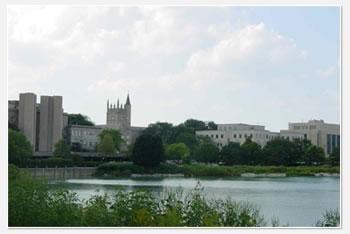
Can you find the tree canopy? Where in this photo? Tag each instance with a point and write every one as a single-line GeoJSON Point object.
{"type": "Point", "coordinates": [117, 138]}
{"type": "Point", "coordinates": [206, 152]}
{"type": "Point", "coordinates": [62, 149]}
{"type": "Point", "coordinates": [107, 146]}
{"type": "Point", "coordinates": [79, 119]}
{"type": "Point", "coordinates": [19, 148]}
{"type": "Point", "coordinates": [177, 151]}
{"type": "Point", "coordinates": [148, 150]}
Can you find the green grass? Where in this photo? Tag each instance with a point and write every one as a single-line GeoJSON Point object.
{"type": "Point", "coordinates": [114, 169]}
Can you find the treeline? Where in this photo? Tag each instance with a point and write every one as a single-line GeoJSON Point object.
{"type": "Point", "coordinates": [181, 145]}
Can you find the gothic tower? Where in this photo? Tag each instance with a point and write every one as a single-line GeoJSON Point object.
{"type": "Point", "coordinates": [119, 116]}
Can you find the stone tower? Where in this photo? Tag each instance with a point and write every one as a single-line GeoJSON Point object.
{"type": "Point", "coordinates": [119, 116]}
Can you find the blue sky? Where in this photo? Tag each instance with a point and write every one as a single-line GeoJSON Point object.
{"type": "Point", "coordinates": [256, 65]}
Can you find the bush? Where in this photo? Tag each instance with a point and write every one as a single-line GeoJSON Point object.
{"type": "Point", "coordinates": [32, 205]}
{"type": "Point", "coordinates": [331, 218]}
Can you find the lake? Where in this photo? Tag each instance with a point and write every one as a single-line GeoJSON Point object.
{"type": "Point", "coordinates": [296, 201]}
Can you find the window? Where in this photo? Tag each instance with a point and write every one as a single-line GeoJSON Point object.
{"type": "Point", "coordinates": [240, 135]}
{"type": "Point", "coordinates": [245, 135]}
{"type": "Point", "coordinates": [234, 135]}
{"type": "Point", "coordinates": [222, 135]}
{"type": "Point", "coordinates": [216, 136]}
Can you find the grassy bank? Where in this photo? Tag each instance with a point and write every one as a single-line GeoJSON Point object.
{"type": "Point", "coordinates": [114, 169]}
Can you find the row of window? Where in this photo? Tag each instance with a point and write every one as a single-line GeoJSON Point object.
{"type": "Point", "coordinates": [81, 133]}
{"type": "Point", "coordinates": [304, 127]}
{"type": "Point", "coordinates": [240, 135]}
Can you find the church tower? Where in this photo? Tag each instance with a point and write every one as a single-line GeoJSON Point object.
{"type": "Point", "coordinates": [119, 116]}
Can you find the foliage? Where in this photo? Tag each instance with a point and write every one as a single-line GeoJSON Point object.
{"type": "Point", "coordinates": [32, 205]}
{"type": "Point", "coordinates": [232, 154]}
{"type": "Point", "coordinates": [331, 218]}
{"type": "Point", "coordinates": [163, 130]}
{"type": "Point", "coordinates": [206, 152]}
{"type": "Point", "coordinates": [19, 148]}
{"type": "Point", "coordinates": [334, 157]}
{"type": "Point", "coordinates": [314, 155]}
{"type": "Point", "coordinates": [62, 150]}
{"type": "Point", "coordinates": [194, 124]}
{"type": "Point", "coordinates": [148, 150]}
{"type": "Point", "coordinates": [79, 119]}
{"type": "Point", "coordinates": [12, 126]}
{"type": "Point", "coordinates": [107, 146]}
{"type": "Point", "coordinates": [116, 137]}
{"type": "Point", "coordinates": [279, 152]}
{"type": "Point", "coordinates": [252, 152]}
{"type": "Point", "coordinates": [187, 138]}
{"type": "Point", "coordinates": [177, 151]}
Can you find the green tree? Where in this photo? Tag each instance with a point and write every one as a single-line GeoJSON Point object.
{"type": "Point", "coordinates": [195, 124]}
{"type": "Point", "coordinates": [206, 152]}
{"type": "Point", "coordinates": [107, 146]}
{"type": "Point", "coordinates": [164, 130]}
{"type": "Point", "coordinates": [252, 152]}
{"type": "Point", "coordinates": [62, 149]}
{"type": "Point", "coordinates": [116, 137]}
{"type": "Point", "coordinates": [148, 150]}
{"type": "Point", "coordinates": [189, 139]}
{"type": "Point", "coordinates": [334, 157]}
{"type": "Point", "coordinates": [279, 152]}
{"type": "Point", "coordinates": [212, 126]}
{"type": "Point", "coordinates": [314, 155]}
{"type": "Point", "coordinates": [79, 119]}
{"type": "Point", "coordinates": [177, 151]}
{"type": "Point", "coordinates": [232, 154]}
{"type": "Point", "coordinates": [19, 148]}
{"type": "Point", "coordinates": [299, 148]}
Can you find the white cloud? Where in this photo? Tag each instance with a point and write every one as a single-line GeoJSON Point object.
{"type": "Point", "coordinates": [328, 72]}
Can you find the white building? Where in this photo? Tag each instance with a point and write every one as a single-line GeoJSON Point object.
{"type": "Point", "coordinates": [240, 132]}
{"type": "Point", "coordinates": [324, 135]}
{"type": "Point", "coordinates": [87, 137]}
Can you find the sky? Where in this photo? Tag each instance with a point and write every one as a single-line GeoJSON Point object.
{"type": "Point", "coordinates": [254, 65]}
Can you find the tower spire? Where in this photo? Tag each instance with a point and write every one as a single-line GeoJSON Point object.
{"type": "Point", "coordinates": [107, 104]}
{"type": "Point", "coordinates": [127, 100]}
{"type": "Point", "coordinates": [118, 103]}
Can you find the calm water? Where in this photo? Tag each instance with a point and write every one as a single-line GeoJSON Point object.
{"type": "Point", "coordinates": [296, 201]}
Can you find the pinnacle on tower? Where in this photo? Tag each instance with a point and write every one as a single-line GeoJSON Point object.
{"type": "Point", "coordinates": [118, 103]}
{"type": "Point", "coordinates": [127, 100]}
{"type": "Point", "coordinates": [107, 104]}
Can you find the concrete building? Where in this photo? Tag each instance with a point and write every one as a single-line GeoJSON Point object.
{"type": "Point", "coordinates": [324, 135]}
{"type": "Point", "coordinates": [51, 122]}
{"type": "Point", "coordinates": [27, 117]}
{"type": "Point", "coordinates": [240, 132]}
{"type": "Point", "coordinates": [42, 124]}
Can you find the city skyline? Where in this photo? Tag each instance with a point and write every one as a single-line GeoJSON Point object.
{"type": "Point", "coordinates": [178, 63]}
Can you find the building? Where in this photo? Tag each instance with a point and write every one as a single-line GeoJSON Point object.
{"type": "Point", "coordinates": [84, 138]}
{"type": "Point", "coordinates": [239, 132]}
{"type": "Point", "coordinates": [27, 117]}
{"type": "Point", "coordinates": [42, 124]}
{"type": "Point", "coordinates": [51, 122]}
{"type": "Point", "coordinates": [118, 116]}
{"type": "Point", "coordinates": [324, 135]}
